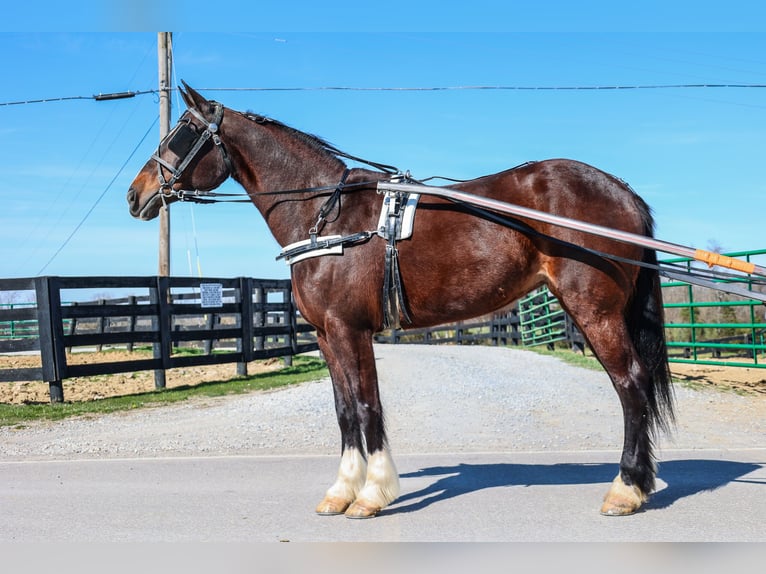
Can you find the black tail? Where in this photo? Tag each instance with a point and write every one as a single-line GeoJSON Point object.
{"type": "Point", "coordinates": [645, 318]}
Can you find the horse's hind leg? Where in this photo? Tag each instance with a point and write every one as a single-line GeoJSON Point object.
{"type": "Point", "coordinates": [631, 488]}
{"type": "Point", "coordinates": [364, 485]}
{"type": "Point", "coordinates": [608, 335]}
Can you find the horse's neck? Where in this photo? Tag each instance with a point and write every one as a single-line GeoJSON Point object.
{"type": "Point", "coordinates": [269, 165]}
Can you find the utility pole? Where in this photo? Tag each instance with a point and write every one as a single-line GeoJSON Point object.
{"type": "Point", "coordinates": [164, 51]}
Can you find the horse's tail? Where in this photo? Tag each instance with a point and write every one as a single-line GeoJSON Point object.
{"type": "Point", "coordinates": [645, 318]}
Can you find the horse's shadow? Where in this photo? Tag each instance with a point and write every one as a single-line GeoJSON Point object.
{"type": "Point", "coordinates": [683, 477]}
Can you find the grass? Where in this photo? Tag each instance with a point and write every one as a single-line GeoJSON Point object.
{"type": "Point", "coordinates": [570, 357]}
{"type": "Point", "coordinates": [303, 369]}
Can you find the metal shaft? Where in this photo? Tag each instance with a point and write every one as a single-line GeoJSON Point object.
{"type": "Point", "coordinates": [707, 257]}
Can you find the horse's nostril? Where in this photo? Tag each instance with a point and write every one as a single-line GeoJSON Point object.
{"type": "Point", "coordinates": [132, 198]}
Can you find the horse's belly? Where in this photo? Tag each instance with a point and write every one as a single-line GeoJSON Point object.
{"type": "Point", "coordinates": [459, 284]}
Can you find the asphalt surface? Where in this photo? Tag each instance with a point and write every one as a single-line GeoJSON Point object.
{"type": "Point", "coordinates": [702, 496]}
{"type": "Point", "coordinates": [545, 484]}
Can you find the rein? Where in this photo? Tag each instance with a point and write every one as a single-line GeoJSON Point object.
{"type": "Point", "coordinates": [211, 132]}
{"type": "Point", "coordinates": [199, 196]}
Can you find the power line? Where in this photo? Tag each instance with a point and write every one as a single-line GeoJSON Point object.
{"type": "Point", "coordinates": [100, 197]}
{"type": "Point", "coordinates": [131, 94]}
{"type": "Point", "coordinates": [96, 97]}
{"type": "Point", "coordinates": [478, 88]}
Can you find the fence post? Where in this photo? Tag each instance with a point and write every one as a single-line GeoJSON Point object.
{"type": "Point", "coordinates": [131, 321]}
{"type": "Point", "coordinates": [515, 322]}
{"type": "Point", "coordinates": [101, 325]}
{"type": "Point", "coordinates": [246, 323]}
{"type": "Point", "coordinates": [292, 321]}
{"type": "Point", "coordinates": [499, 329]}
{"type": "Point", "coordinates": [259, 317]}
{"type": "Point", "coordinates": [209, 326]}
{"type": "Point", "coordinates": [161, 322]}
{"type": "Point", "coordinates": [48, 309]}
{"type": "Point", "coordinates": [72, 327]}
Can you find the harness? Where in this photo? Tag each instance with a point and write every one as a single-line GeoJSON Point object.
{"type": "Point", "coordinates": [186, 142]}
{"type": "Point", "coordinates": [395, 222]}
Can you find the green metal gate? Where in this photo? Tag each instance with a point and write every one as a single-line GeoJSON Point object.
{"type": "Point", "coordinates": [542, 320]}
{"type": "Point", "coordinates": [706, 326]}
{"type": "Point", "coordinates": [702, 325]}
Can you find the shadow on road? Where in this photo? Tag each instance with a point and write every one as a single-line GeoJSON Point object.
{"type": "Point", "coordinates": [683, 478]}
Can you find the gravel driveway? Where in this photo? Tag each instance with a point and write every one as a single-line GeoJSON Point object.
{"type": "Point", "coordinates": [437, 399]}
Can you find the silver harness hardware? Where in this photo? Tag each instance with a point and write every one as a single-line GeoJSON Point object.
{"type": "Point", "coordinates": [178, 141]}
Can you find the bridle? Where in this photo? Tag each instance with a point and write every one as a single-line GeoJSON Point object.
{"type": "Point", "coordinates": [186, 141]}
{"type": "Point", "coordinates": [179, 141]}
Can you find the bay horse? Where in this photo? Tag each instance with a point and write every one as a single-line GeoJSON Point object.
{"type": "Point", "coordinates": [458, 263]}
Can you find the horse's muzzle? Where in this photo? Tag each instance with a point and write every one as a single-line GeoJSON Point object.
{"type": "Point", "coordinates": [145, 212]}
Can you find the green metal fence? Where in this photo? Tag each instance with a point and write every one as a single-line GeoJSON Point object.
{"type": "Point", "coordinates": [707, 326]}
{"type": "Point", "coordinates": [702, 325]}
{"type": "Point", "coordinates": [17, 328]}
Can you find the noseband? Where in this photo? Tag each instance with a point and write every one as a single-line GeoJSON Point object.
{"type": "Point", "coordinates": [180, 136]}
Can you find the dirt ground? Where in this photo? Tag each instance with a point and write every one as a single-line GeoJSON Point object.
{"type": "Point", "coordinates": [738, 379]}
{"type": "Point", "coordinates": [102, 386]}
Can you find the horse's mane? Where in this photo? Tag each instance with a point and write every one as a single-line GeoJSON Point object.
{"type": "Point", "coordinates": [319, 144]}
{"type": "Point", "coordinates": [311, 140]}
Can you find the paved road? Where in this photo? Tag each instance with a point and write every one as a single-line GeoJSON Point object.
{"type": "Point", "coordinates": [527, 461]}
{"type": "Point", "coordinates": [703, 496]}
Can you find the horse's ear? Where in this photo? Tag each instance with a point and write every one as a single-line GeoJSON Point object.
{"type": "Point", "coordinates": [191, 97]}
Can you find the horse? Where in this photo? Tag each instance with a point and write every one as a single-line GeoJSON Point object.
{"type": "Point", "coordinates": [458, 263]}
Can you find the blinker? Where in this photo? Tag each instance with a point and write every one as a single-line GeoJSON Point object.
{"type": "Point", "coordinates": [183, 140]}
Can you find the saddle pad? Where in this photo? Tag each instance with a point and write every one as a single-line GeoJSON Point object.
{"type": "Point", "coordinates": [406, 215]}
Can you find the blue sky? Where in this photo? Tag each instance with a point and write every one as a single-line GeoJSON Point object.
{"type": "Point", "coordinates": [695, 155]}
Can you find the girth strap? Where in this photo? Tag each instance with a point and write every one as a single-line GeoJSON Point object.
{"type": "Point", "coordinates": [316, 246]}
{"type": "Point", "coordinates": [394, 303]}
{"type": "Point", "coordinates": [393, 292]}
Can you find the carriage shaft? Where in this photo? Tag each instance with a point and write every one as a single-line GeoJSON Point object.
{"type": "Point", "coordinates": [708, 257]}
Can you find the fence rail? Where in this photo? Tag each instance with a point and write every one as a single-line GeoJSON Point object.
{"type": "Point", "coordinates": [703, 325]}
{"type": "Point", "coordinates": [526, 323]}
{"type": "Point", "coordinates": [242, 319]}
{"type": "Point", "coordinates": [706, 326]}
{"type": "Point", "coordinates": [234, 320]}
{"type": "Point", "coordinates": [499, 329]}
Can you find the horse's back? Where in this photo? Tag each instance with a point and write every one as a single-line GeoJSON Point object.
{"type": "Point", "coordinates": [566, 187]}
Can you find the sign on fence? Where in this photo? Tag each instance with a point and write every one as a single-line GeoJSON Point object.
{"type": "Point", "coordinates": [211, 295]}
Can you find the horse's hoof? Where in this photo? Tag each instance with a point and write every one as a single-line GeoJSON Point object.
{"type": "Point", "coordinates": [360, 510]}
{"type": "Point", "coordinates": [331, 506]}
{"type": "Point", "coordinates": [622, 500]}
{"type": "Point", "coordinates": [611, 509]}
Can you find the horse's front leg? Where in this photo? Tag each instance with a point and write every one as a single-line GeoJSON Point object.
{"type": "Point", "coordinates": [364, 485]}
{"type": "Point", "coordinates": [353, 465]}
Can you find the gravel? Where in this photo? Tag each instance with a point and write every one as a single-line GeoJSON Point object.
{"type": "Point", "coordinates": [436, 399]}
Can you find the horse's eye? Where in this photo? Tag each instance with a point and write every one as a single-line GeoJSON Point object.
{"type": "Point", "coordinates": [183, 140]}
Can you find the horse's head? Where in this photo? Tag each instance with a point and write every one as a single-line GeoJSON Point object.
{"type": "Point", "coordinates": [186, 159]}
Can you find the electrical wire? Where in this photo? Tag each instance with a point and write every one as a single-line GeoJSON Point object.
{"type": "Point", "coordinates": [122, 95]}
{"type": "Point", "coordinates": [100, 197]}
{"type": "Point", "coordinates": [96, 97]}
{"type": "Point", "coordinates": [478, 88]}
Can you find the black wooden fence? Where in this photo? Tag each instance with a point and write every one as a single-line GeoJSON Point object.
{"type": "Point", "coordinates": [498, 329]}
{"type": "Point", "coordinates": [241, 319]}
